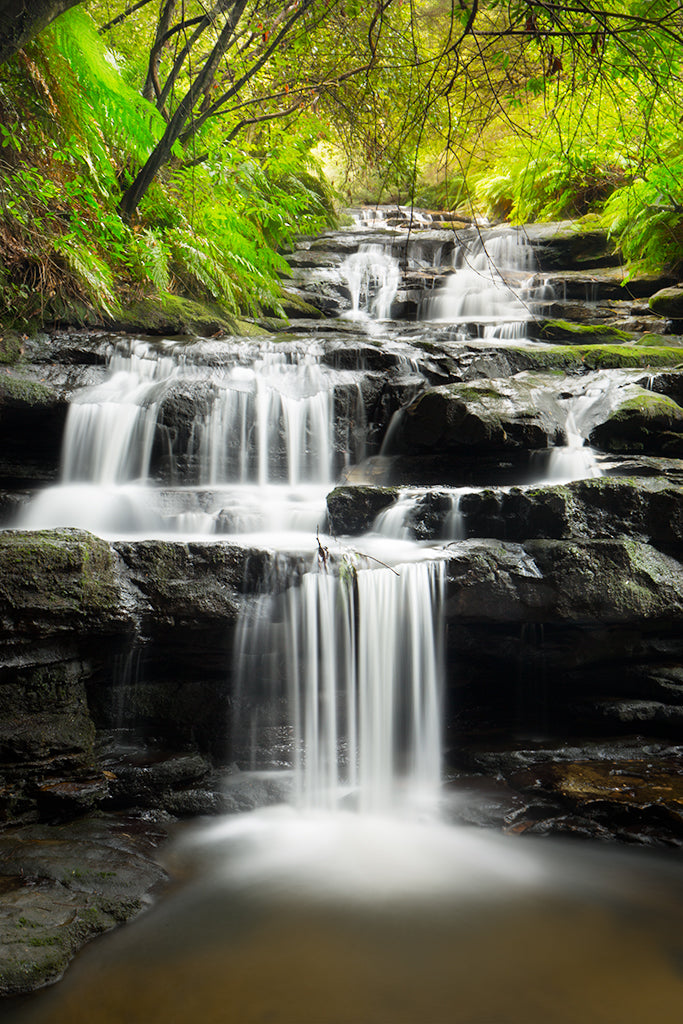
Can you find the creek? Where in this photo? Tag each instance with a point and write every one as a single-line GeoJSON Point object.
{"type": "Point", "coordinates": [358, 898]}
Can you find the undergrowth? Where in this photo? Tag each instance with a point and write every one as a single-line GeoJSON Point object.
{"type": "Point", "coordinates": [72, 132]}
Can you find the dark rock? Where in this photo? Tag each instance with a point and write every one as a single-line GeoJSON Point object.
{"type": "Point", "coordinates": [63, 886]}
{"type": "Point", "coordinates": [606, 283]}
{"type": "Point", "coordinates": [577, 334]}
{"type": "Point", "coordinates": [494, 415]}
{"type": "Point", "coordinates": [352, 510]}
{"type": "Point", "coordinates": [582, 582]}
{"type": "Point", "coordinates": [568, 244]}
{"type": "Point", "coordinates": [56, 581]}
{"type": "Point", "coordinates": [190, 585]}
{"type": "Point", "coordinates": [32, 418]}
{"type": "Point", "coordinates": [650, 508]}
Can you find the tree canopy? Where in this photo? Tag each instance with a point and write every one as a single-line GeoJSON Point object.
{"type": "Point", "coordinates": [174, 147]}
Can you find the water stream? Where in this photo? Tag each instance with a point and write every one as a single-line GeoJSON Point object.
{"type": "Point", "coordinates": [358, 903]}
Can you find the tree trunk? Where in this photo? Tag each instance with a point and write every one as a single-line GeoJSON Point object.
{"type": "Point", "coordinates": [164, 148]}
{"type": "Point", "coordinates": [21, 20]}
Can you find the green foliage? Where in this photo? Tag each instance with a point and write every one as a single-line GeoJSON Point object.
{"type": "Point", "coordinates": [73, 132]}
{"type": "Point", "coordinates": [646, 217]}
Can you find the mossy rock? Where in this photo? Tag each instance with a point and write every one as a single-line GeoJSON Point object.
{"type": "Point", "coordinates": [564, 330]}
{"type": "Point", "coordinates": [168, 314]}
{"type": "Point", "coordinates": [593, 357]}
{"type": "Point", "coordinates": [518, 412]}
{"type": "Point", "coordinates": [11, 348]}
{"type": "Point", "coordinates": [668, 302]}
{"type": "Point", "coordinates": [57, 580]}
{"type": "Point", "coordinates": [19, 390]}
{"type": "Point", "coordinates": [642, 422]}
{"type": "Point", "coordinates": [353, 509]}
{"type": "Point", "coordinates": [580, 582]}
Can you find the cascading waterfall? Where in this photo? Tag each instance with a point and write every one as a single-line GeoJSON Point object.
{"type": "Point", "coordinates": [400, 519]}
{"type": "Point", "coordinates": [265, 423]}
{"type": "Point", "coordinates": [373, 277]}
{"type": "Point", "coordinates": [364, 714]}
{"type": "Point", "coordinates": [494, 283]}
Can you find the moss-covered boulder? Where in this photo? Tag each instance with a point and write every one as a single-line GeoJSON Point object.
{"type": "Point", "coordinates": [63, 886]}
{"type": "Point", "coordinates": [617, 582]}
{"type": "Point", "coordinates": [61, 617]}
{"type": "Point", "coordinates": [189, 586]}
{"type": "Point", "coordinates": [11, 347]}
{"type": "Point", "coordinates": [32, 418]}
{"type": "Point", "coordinates": [668, 302]}
{"type": "Point", "coordinates": [519, 413]}
{"type": "Point", "coordinates": [643, 421]}
{"type": "Point", "coordinates": [649, 507]}
{"type": "Point", "coordinates": [573, 333]}
{"type": "Point", "coordinates": [170, 315]}
{"type": "Point", "coordinates": [563, 244]}
{"type": "Point", "coordinates": [58, 581]}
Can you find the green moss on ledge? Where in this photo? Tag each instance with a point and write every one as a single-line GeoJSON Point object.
{"type": "Point", "coordinates": [595, 357]}
{"type": "Point", "coordinates": [564, 330]}
{"type": "Point", "coordinates": [11, 348]}
{"type": "Point", "coordinates": [172, 314]}
{"type": "Point", "coordinates": [62, 577]}
{"type": "Point", "coordinates": [15, 388]}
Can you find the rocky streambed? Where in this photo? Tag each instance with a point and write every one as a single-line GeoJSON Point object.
{"type": "Point", "coordinates": [541, 464]}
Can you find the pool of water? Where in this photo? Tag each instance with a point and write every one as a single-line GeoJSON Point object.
{"type": "Point", "coordinates": [319, 918]}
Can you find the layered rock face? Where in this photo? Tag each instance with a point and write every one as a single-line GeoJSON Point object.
{"type": "Point", "coordinates": [568, 589]}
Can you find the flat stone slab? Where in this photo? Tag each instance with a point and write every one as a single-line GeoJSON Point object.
{"type": "Point", "coordinates": [60, 886]}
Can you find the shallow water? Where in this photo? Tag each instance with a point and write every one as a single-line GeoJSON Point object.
{"type": "Point", "coordinates": [316, 918]}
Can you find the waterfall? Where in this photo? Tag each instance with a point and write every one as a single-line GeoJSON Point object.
{"type": "Point", "coordinates": [494, 283]}
{"type": "Point", "coordinates": [360, 657]}
{"type": "Point", "coordinates": [573, 461]}
{"type": "Point", "coordinates": [372, 275]}
{"type": "Point", "coordinates": [262, 417]}
{"type": "Point", "coordinates": [422, 513]}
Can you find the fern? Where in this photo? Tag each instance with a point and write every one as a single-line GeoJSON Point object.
{"type": "Point", "coordinates": [92, 273]}
{"type": "Point", "coordinates": [150, 258]}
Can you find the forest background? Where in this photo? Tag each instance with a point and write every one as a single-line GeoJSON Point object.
{"type": "Point", "coordinates": [166, 151]}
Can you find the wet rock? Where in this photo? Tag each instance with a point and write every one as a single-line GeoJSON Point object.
{"type": "Point", "coordinates": [55, 581]}
{"type": "Point", "coordinates": [606, 283]}
{"type": "Point", "coordinates": [666, 383]}
{"type": "Point", "coordinates": [500, 414]}
{"type": "Point", "coordinates": [668, 302]}
{"type": "Point", "coordinates": [649, 508]}
{"type": "Point", "coordinates": [182, 405]}
{"type": "Point", "coordinates": [565, 331]}
{"type": "Point", "coordinates": [32, 418]}
{"type": "Point", "coordinates": [62, 886]}
{"type": "Point", "coordinates": [568, 244]}
{"type": "Point", "coordinates": [352, 510]}
{"type": "Point", "coordinates": [161, 782]}
{"type": "Point", "coordinates": [70, 797]}
{"type": "Point", "coordinates": [190, 585]}
{"type": "Point", "coordinates": [588, 582]}
{"type": "Point", "coordinates": [642, 421]}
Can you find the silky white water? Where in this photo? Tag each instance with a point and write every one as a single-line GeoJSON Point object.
{"type": "Point", "coordinates": [494, 283]}
{"type": "Point", "coordinates": [373, 277]}
{"type": "Point", "coordinates": [254, 431]}
{"type": "Point", "coordinates": [364, 716]}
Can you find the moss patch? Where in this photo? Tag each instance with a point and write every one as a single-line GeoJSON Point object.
{"type": "Point", "coordinates": [564, 330]}
{"type": "Point", "coordinates": [11, 348]}
{"type": "Point", "coordinates": [15, 388]}
{"type": "Point", "coordinates": [595, 357]}
{"type": "Point", "coordinates": [171, 314]}
{"type": "Point", "coordinates": [57, 573]}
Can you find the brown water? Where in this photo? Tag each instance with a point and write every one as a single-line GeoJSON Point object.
{"type": "Point", "coordinates": [341, 920]}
